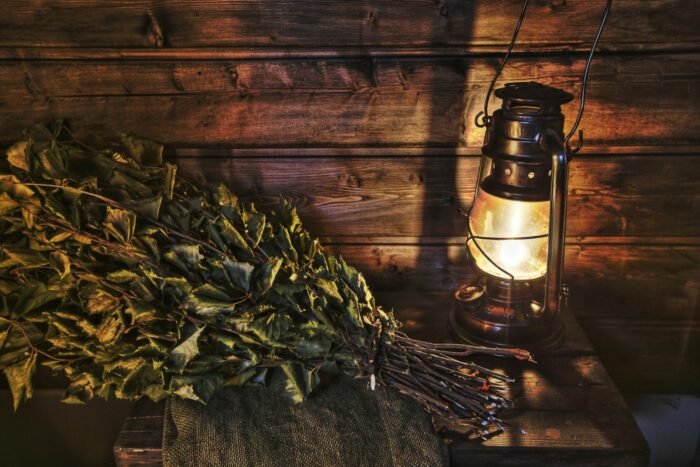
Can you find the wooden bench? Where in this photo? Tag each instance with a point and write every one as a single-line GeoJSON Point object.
{"type": "Point", "coordinates": [567, 411]}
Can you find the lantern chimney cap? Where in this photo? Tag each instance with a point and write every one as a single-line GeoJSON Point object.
{"type": "Point", "coordinates": [532, 92]}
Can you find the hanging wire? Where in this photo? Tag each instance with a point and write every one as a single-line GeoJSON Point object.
{"type": "Point", "coordinates": [483, 119]}
{"type": "Point", "coordinates": [584, 82]}
{"type": "Point", "coordinates": [484, 114]}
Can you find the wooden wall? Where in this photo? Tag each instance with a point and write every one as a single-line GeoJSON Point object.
{"type": "Point", "coordinates": [361, 112]}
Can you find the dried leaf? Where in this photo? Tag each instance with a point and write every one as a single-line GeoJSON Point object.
{"type": "Point", "coordinates": [19, 378]}
{"type": "Point", "coordinates": [16, 155]}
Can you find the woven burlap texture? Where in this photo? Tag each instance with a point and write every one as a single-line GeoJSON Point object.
{"type": "Point", "coordinates": [343, 424]}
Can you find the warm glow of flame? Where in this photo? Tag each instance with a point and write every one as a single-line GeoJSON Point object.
{"type": "Point", "coordinates": [497, 217]}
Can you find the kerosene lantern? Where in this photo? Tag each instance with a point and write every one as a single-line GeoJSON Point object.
{"type": "Point", "coordinates": [516, 225]}
{"type": "Point", "coordinates": [517, 222]}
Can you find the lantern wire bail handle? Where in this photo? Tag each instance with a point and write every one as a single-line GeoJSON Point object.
{"type": "Point", "coordinates": [483, 119]}
{"type": "Point", "coordinates": [584, 83]}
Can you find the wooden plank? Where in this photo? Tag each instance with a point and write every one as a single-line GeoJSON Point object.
{"type": "Point", "coordinates": [551, 456]}
{"type": "Point", "coordinates": [482, 25]}
{"type": "Point", "coordinates": [353, 102]}
{"type": "Point", "coordinates": [649, 292]}
{"type": "Point", "coordinates": [649, 355]}
{"type": "Point", "coordinates": [405, 151]}
{"type": "Point", "coordinates": [425, 317]}
{"type": "Point", "coordinates": [620, 281]}
{"type": "Point", "coordinates": [565, 408]}
{"type": "Point", "coordinates": [73, 78]}
{"type": "Point", "coordinates": [419, 197]}
{"type": "Point", "coordinates": [140, 440]}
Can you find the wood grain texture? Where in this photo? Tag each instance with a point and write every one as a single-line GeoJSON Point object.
{"type": "Point", "coordinates": [472, 25]}
{"type": "Point", "coordinates": [638, 304]}
{"type": "Point", "coordinates": [606, 281]}
{"type": "Point", "coordinates": [419, 197]}
{"type": "Point", "coordinates": [566, 408]}
{"type": "Point", "coordinates": [350, 102]}
{"type": "Point", "coordinates": [649, 355]}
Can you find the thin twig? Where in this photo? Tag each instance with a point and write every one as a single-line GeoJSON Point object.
{"type": "Point", "coordinates": [24, 333]}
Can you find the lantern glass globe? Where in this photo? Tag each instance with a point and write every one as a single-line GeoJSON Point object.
{"type": "Point", "coordinates": [503, 222]}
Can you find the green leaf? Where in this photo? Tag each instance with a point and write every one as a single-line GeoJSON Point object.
{"type": "Point", "coordinates": [19, 378]}
{"type": "Point", "coordinates": [243, 377]}
{"type": "Point", "coordinates": [329, 289]}
{"type": "Point", "coordinates": [147, 207]}
{"type": "Point", "coordinates": [229, 233]}
{"type": "Point", "coordinates": [3, 337]}
{"type": "Point", "coordinates": [50, 161]}
{"type": "Point", "coordinates": [287, 215]}
{"type": "Point", "coordinates": [141, 312]}
{"type": "Point", "coordinates": [284, 242]}
{"type": "Point", "coordinates": [32, 297]}
{"type": "Point", "coordinates": [144, 380]}
{"type": "Point", "coordinates": [187, 350]}
{"type": "Point", "coordinates": [213, 293]}
{"type": "Point", "coordinates": [354, 280]}
{"type": "Point", "coordinates": [208, 300]}
{"type": "Point", "coordinates": [16, 155]}
{"type": "Point", "coordinates": [185, 257]}
{"type": "Point", "coordinates": [272, 328]}
{"type": "Point", "coordinates": [17, 190]}
{"type": "Point", "coordinates": [143, 151]}
{"type": "Point", "coordinates": [300, 381]}
{"type": "Point", "coordinates": [178, 287]}
{"type": "Point", "coordinates": [130, 187]}
{"type": "Point", "coordinates": [256, 227]}
{"type": "Point", "coordinates": [317, 347]}
{"type": "Point", "coordinates": [270, 297]}
{"type": "Point", "coordinates": [7, 204]}
{"type": "Point", "coordinates": [239, 273]}
{"type": "Point", "coordinates": [224, 197]}
{"type": "Point", "coordinates": [199, 388]}
{"type": "Point", "coordinates": [24, 256]}
{"type": "Point", "coordinates": [79, 391]}
{"type": "Point", "coordinates": [98, 301]}
{"type": "Point", "coordinates": [60, 262]}
{"type": "Point", "coordinates": [267, 273]}
{"type": "Point", "coordinates": [123, 276]}
{"type": "Point", "coordinates": [120, 223]}
{"type": "Point", "coordinates": [109, 330]}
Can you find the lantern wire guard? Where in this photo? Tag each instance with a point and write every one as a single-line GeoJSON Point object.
{"type": "Point", "coordinates": [561, 155]}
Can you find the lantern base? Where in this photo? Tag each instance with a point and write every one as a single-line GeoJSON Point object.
{"type": "Point", "coordinates": [479, 319]}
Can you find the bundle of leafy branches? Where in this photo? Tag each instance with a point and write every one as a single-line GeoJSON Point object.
{"type": "Point", "coordinates": [134, 282]}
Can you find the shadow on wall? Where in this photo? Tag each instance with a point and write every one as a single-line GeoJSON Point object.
{"type": "Point", "coordinates": [436, 191]}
